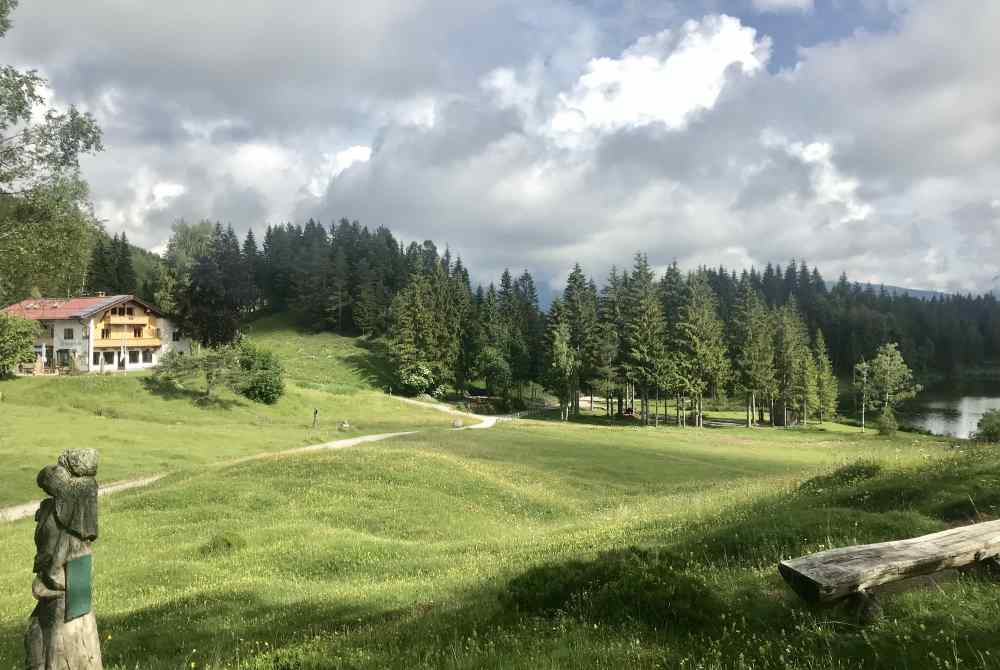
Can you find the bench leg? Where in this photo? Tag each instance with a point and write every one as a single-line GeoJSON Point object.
{"type": "Point", "coordinates": [989, 568]}
{"type": "Point", "coordinates": [865, 607]}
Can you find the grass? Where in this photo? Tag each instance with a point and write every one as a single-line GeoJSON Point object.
{"type": "Point", "coordinates": [399, 554]}
{"type": "Point", "coordinates": [141, 430]}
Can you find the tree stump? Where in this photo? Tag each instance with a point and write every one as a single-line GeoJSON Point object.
{"type": "Point", "coordinates": [62, 630]}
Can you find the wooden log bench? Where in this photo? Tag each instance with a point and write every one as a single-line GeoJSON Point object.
{"type": "Point", "coordinates": [853, 572]}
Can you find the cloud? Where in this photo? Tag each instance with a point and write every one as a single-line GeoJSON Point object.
{"type": "Point", "coordinates": [539, 133]}
{"type": "Point", "coordinates": [783, 5]}
{"type": "Point", "coordinates": [661, 78]}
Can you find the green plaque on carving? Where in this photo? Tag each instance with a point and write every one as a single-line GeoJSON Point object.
{"type": "Point", "coordinates": [78, 587]}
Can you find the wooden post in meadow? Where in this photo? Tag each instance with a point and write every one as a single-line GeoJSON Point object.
{"type": "Point", "coordinates": [62, 630]}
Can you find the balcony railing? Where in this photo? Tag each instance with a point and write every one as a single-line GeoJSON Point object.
{"type": "Point", "coordinates": [126, 320]}
{"type": "Point", "coordinates": [129, 341]}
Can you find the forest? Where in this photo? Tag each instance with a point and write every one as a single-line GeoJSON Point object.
{"type": "Point", "coordinates": [776, 335]}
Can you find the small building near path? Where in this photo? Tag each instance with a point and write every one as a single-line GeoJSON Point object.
{"type": "Point", "coordinates": [98, 333]}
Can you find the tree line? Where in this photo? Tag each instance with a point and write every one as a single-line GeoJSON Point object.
{"type": "Point", "coordinates": [776, 339]}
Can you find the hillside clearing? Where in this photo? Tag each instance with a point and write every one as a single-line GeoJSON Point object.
{"type": "Point", "coordinates": [394, 556]}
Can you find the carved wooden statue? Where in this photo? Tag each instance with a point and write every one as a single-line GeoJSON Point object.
{"type": "Point", "coordinates": [62, 632]}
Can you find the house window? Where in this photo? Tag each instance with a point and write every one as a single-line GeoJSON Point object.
{"type": "Point", "coordinates": [105, 333]}
{"type": "Point", "coordinates": [177, 336]}
{"type": "Point", "coordinates": [97, 358]}
{"type": "Point", "coordinates": [109, 358]}
{"type": "Point", "coordinates": [62, 356]}
{"type": "Point", "coordinates": [147, 355]}
{"type": "Point", "coordinates": [68, 334]}
{"type": "Point", "coordinates": [133, 357]}
{"type": "Point", "coordinates": [86, 333]}
{"type": "Point", "coordinates": [129, 311]}
{"type": "Point", "coordinates": [137, 332]}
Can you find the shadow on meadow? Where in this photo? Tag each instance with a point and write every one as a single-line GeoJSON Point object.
{"type": "Point", "coordinates": [373, 363]}
{"type": "Point", "coordinates": [168, 390]}
{"type": "Point", "coordinates": [712, 595]}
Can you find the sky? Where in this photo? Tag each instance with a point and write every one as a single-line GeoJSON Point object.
{"type": "Point", "coordinates": [862, 136]}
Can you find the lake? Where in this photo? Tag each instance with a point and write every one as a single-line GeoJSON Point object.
{"type": "Point", "coordinates": [951, 409]}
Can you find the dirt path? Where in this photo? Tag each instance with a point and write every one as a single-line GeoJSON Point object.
{"type": "Point", "coordinates": [28, 509]}
{"type": "Point", "coordinates": [8, 514]}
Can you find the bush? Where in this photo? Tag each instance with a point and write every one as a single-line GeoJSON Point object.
{"type": "Point", "coordinates": [988, 428]}
{"type": "Point", "coordinates": [17, 342]}
{"type": "Point", "coordinates": [263, 376]}
{"type": "Point", "coordinates": [887, 425]}
{"type": "Point", "coordinates": [416, 379]}
{"type": "Point", "coordinates": [845, 475]}
{"type": "Point", "coordinates": [633, 585]}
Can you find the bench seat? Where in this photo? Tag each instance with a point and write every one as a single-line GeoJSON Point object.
{"type": "Point", "coordinates": [831, 575]}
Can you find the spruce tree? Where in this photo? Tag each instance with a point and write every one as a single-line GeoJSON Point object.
{"type": "Point", "coordinates": [752, 345]}
{"type": "Point", "coordinates": [645, 328]}
{"type": "Point", "coordinates": [703, 340]}
{"type": "Point", "coordinates": [101, 270]}
{"type": "Point", "coordinates": [562, 361]}
{"type": "Point", "coordinates": [826, 380]}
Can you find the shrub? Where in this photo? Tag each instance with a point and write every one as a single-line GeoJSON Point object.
{"type": "Point", "coordinates": [845, 475]}
{"type": "Point", "coordinates": [648, 587]}
{"type": "Point", "coordinates": [416, 379]}
{"type": "Point", "coordinates": [262, 378]}
{"type": "Point", "coordinates": [887, 425]}
{"type": "Point", "coordinates": [988, 428]}
{"type": "Point", "coordinates": [17, 342]}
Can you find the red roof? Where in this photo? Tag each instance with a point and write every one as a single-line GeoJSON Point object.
{"type": "Point", "coordinates": [51, 309]}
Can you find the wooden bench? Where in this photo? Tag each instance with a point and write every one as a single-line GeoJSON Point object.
{"type": "Point", "coordinates": [853, 572]}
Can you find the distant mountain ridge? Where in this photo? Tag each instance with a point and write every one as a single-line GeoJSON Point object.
{"type": "Point", "coordinates": [922, 294]}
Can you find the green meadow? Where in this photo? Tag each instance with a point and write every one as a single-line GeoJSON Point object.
{"type": "Point", "coordinates": [414, 552]}
{"type": "Point", "coordinates": [141, 430]}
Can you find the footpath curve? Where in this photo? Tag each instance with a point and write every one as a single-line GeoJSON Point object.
{"type": "Point", "coordinates": [24, 510]}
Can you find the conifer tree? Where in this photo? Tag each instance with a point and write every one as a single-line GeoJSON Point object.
{"type": "Point", "coordinates": [826, 380]}
{"type": "Point", "coordinates": [126, 281]}
{"type": "Point", "coordinates": [703, 340]}
{"type": "Point", "coordinates": [752, 345]}
{"type": "Point", "coordinates": [101, 271]}
{"type": "Point", "coordinates": [563, 363]}
{"type": "Point", "coordinates": [251, 271]}
{"type": "Point", "coordinates": [310, 277]}
{"type": "Point", "coordinates": [645, 329]}
{"type": "Point", "coordinates": [792, 359]}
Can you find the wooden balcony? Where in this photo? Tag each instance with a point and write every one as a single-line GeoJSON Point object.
{"type": "Point", "coordinates": [129, 341]}
{"type": "Point", "coordinates": [135, 320]}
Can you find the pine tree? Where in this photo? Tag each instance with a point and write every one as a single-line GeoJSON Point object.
{"type": "Point", "coordinates": [796, 386]}
{"type": "Point", "coordinates": [310, 278]}
{"type": "Point", "coordinates": [251, 272]}
{"type": "Point", "coordinates": [645, 327]}
{"type": "Point", "coordinates": [125, 281]}
{"type": "Point", "coordinates": [826, 380]}
{"type": "Point", "coordinates": [703, 340]}
{"type": "Point", "coordinates": [563, 363]}
{"type": "Point", "coordinates": [101, 271]}
{"type": "Point", "coordinates": [338, 291]}
{"type": "Point", "coordinates": [752, 345]}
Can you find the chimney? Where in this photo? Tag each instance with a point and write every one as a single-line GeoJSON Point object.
{"type": "Point", "coordinates": [100, 294]}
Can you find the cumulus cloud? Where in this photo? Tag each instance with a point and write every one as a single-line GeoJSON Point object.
{"type": "Point", "coordinates": [783, 5]}
{"type": "Point", "coordinates": [661, 78]}
{"type": "Point", "coordinates": [535, 134]}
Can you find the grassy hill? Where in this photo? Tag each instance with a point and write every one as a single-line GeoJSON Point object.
{"type": "Point", "coordinates": [474, 549]}
{"type": "Point", "coordinates": [400, 555]}
{"type": "Point", "coordinates": [143, 431]}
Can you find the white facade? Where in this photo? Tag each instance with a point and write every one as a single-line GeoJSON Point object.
{"type": "Point", "coordinates": [63, 340]}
